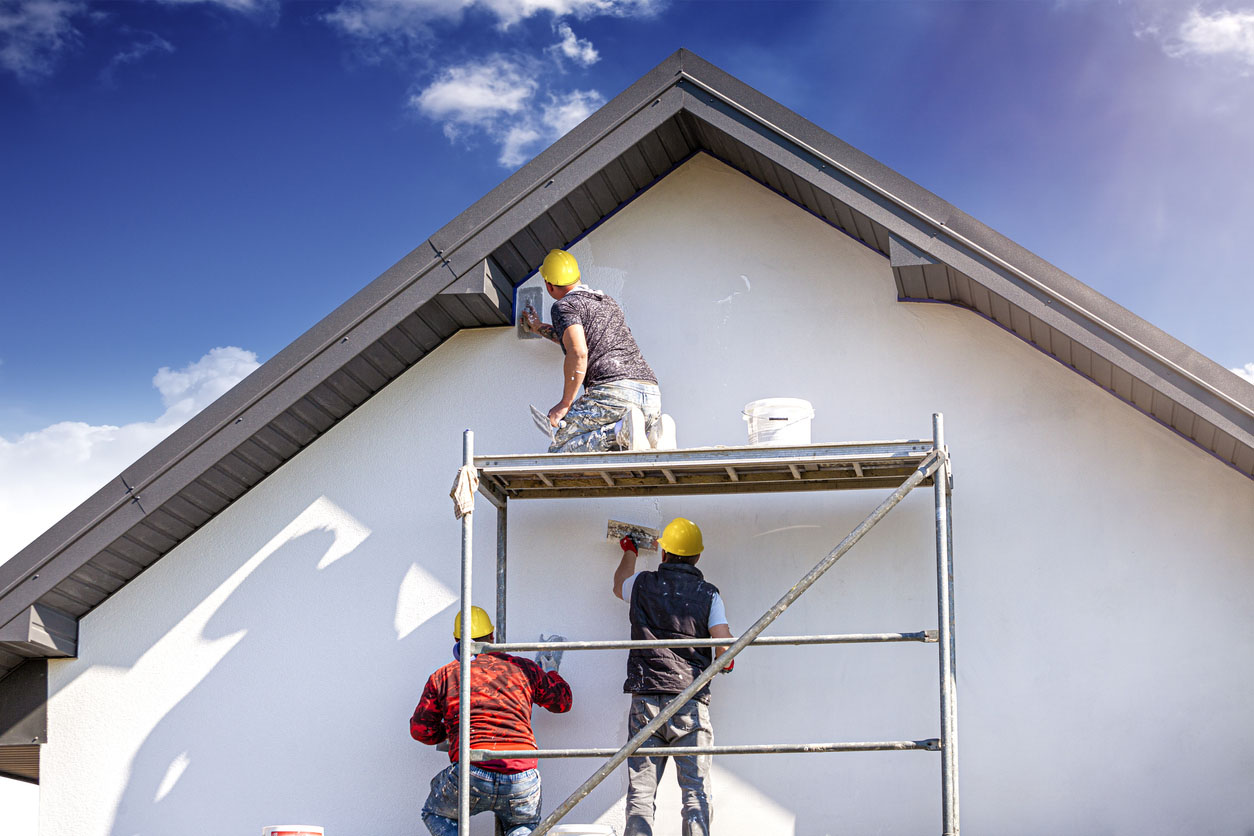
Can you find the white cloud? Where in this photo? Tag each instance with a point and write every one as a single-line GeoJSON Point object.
{"type": "Point", "coordinates": [137, 51]}
{"type": "Point", "coordinates": [500, 98]}
{"type": "Point", "coordinates": [477, 94]}
{"type": "Point", "coordinates": [392, 21]}
{"type": "Point", "coordinates": [1247, 372]}
{"type": "Point", "coordinates": [46, 473]}
{"type": "Point", "coordinates": [1224, 34]}
{"type": "Point", "coordinates": [35, 33]}
{"type": "Point", "coordinates": [245, 6]}
{"type": "Point", "coordinates": [579, 50]}
{"type": "Point", "coordinates": [567, 110]}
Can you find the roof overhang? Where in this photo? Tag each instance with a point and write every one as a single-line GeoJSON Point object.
{"type": "Point", "coordinates": [464, 276]}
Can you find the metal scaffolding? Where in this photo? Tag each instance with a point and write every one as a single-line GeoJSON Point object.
{"type": "Point", "coordinates": [899, 465]}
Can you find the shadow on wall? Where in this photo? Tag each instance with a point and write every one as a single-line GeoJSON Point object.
{"type": "Point", "coordinates": [293, 716]}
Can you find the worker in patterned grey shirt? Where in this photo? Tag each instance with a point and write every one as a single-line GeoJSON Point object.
{"type": "Point", "coordinates": [621, 405]}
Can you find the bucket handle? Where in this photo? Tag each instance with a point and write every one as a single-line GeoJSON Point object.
{"type": "Point", "coordinates": [747, 416]}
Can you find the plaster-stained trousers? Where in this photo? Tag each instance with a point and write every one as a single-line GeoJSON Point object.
{"type": "Point", "coordinates": [690, 726]}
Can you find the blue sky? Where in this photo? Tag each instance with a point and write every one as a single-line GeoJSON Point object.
{"type": "Point", "coordinates": [188, 185]}
{"type": "Point", "coordinates": [185, 187]}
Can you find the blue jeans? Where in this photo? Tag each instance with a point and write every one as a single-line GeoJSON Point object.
{"type": "Point", "coordinates": [589, 425]}
{"type": "Point", "coordinates": [690, 726]}
{"type": "Point", "coordinates": [515, 799]}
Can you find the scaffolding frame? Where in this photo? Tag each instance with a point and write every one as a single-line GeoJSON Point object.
{"type": "Point", "coordinates": [901, 465]}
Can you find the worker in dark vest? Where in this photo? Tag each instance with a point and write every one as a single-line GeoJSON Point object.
{"type": "Point", "coordinates": [671, 603]}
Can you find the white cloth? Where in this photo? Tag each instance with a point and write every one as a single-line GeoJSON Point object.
{"type": "Point", "coordinates": [718, 612]}
{"type": "Point", "coordinates": [463, 493]}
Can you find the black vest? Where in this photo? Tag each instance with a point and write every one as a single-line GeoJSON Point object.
{"type": "Point", "coordinates": [672, 603]}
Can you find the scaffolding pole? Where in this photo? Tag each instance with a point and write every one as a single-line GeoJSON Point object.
{"type": "Point", "coordinates": [463, 706]}
{"type": "Point", "coordinates": [924, 470]}
{"type": "Point", "coordinates": [945, 621]}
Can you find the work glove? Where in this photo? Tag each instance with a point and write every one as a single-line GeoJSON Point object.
{"type": "Point", "coordinates": [728, 667]}
{"type": "Point", "coordinates": [629, 545]}
{"type": "Point", "coordinates": [550, 660]}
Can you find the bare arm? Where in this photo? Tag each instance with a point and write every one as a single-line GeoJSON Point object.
{"type": "Point", "coordinates": [720, 631]}
{"type": "Point", "coordinates": [626, 566]}
{"type": "Point", "coordinates": [574, 367]}
{"type": "Point", "coordinates": [538, 326]}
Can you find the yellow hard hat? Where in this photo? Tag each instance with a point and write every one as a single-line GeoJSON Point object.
{"type": "Point", "coordinates": [681, 537]}
{"type": "Point", "coordinates": [480, 624]}
{"type": "Point", "coordinates": [559, 268]}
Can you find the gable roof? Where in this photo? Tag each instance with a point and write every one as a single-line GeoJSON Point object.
{"type": "Point", "coordinates": [464, 276]}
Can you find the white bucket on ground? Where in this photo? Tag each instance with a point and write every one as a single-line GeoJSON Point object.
{"type": "Point", "coordinates": [779, 421]}
{"type": "Point", "coordinates": [583, 830]}
{"type": "Point", "coordinates": [292, 830]}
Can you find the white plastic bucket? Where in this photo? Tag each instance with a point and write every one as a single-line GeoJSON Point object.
{"type": "Point", "coordinates": [292, 830]}
{"type": "Point", "coordinates": [583, 830]}
{"type": "Point", "coordinates": [779, 421]}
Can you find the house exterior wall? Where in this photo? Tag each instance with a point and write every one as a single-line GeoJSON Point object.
{"type": "Point", "coordinates": [265, 670]}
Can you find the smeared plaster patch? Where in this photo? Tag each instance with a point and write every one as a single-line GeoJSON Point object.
{"type": "Point", "coordinates": [419, 598]}
{"type": "Point", "coordinates": [736, 293]}
{"type": "Point", "coordinates": [784, 528]}
{"type": "Point", "coordinates": [172, 775]}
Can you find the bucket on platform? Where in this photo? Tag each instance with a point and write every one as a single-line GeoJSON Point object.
{"type": "Point", "coordinates": [779, 421]}
{"type": "Point", "coordinates": [583, 830]}
{"type": "Point", "coordinates": [292, 830]}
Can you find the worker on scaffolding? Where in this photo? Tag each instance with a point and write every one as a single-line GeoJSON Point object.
{"type": "Point", "coordinates": [675, 601]}
{"type": "Point", "coordinates": [621, 405]}
{"type": "Point", "coordinates": [502, 690]}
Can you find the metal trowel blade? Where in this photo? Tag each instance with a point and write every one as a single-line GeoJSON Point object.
{"type": "Point", "coordinates": [528, 297]}
{"type": "Point", "coordinates": [646, 538]}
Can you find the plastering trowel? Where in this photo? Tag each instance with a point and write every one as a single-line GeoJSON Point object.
{"type": "Point", "coordinates": [529, 297]}
{"type": "Point", "coordinates": [645, 538]}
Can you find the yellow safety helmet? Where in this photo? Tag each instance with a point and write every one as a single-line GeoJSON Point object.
{"type": "Point", "coordinates": [480, 624]}
{"type": "Point", "coordinates": [559, 268]}
{"type": "Point", "coordinates": [681, 537]}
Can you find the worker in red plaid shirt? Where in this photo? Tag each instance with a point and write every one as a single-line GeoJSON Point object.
{"type": "Point", "coordinates": [502, 691]}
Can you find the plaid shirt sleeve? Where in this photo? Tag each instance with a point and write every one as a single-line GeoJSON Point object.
{"type": "Point", "coordinates": [548, 690]}
{"type": "Point", "coordinates": [427, 724]}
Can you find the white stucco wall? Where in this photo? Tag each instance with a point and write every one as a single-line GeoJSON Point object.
{"type": "Point", "coordinates": [265, 670]}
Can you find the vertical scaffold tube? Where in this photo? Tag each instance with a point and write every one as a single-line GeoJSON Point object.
{"type": "Point", "coordinates": [502, 518]}
{"type": "Point", "coordinates": [945, 618]}
{"type": "Point", "coordinates": [463, 705]}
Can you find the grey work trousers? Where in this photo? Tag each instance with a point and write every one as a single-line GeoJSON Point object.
{"type": "Point", "coordinates": [690, 726]}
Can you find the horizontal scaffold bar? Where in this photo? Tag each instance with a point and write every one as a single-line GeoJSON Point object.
{"type": "Point", "coordinates": [929, 745]}
{"type": "Point", "coordinates": [624, 644]}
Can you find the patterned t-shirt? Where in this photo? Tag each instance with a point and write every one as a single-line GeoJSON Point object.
{"type": "Point", "coordinates": [502, 689]}
{"type": "Point", "coordinates": [612, 350]}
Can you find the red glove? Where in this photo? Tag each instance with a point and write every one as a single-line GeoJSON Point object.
{"type": "Point", "coordinates": [629, 545]}
{"type": "Point", "coordinates": [728, 667]}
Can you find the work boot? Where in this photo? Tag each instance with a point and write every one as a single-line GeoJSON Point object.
{"type": "Point", "coordinates": [629, 432]}
{"type": "Point", "coordinates": [662, 433]}
{"type": "Point", "coordinates": [638, 826]}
